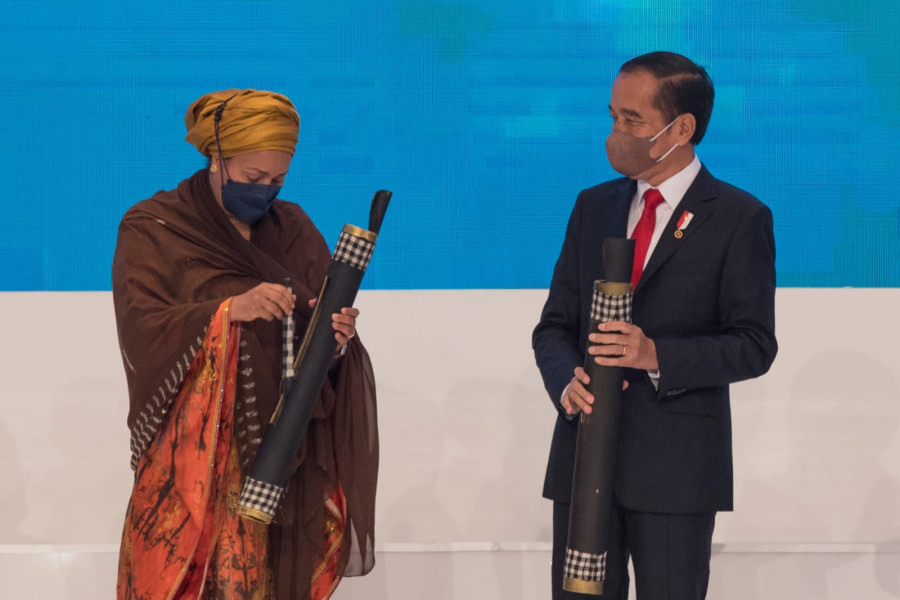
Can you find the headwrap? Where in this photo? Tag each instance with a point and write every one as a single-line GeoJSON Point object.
{"type": "Point", "coordinates": [250, 121]}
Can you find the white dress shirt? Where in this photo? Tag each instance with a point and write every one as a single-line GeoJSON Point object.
{"type": "Point", "coordinates": [673, 190]}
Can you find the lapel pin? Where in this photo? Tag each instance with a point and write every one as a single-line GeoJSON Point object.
{"type": "Point", "coordinates": [683, 222]}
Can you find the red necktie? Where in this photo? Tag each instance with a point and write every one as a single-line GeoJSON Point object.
{"type": "Point", "coordinates": [643, 231]}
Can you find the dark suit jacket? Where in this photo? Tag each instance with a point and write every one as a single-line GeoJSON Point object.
{"type": "Point", "coordinates": [707, 301]}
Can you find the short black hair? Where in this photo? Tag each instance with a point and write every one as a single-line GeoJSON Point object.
{"type": "Point", "coordinates": [685, 87]}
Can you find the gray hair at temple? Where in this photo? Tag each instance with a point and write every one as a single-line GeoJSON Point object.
{"type": "Point", "coordinates": [685, 87]}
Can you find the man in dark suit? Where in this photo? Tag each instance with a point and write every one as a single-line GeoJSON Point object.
{"type": "Point", "coordinates": [702, 318]}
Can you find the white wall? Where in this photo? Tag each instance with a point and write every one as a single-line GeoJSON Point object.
{"type": "Point", "coordinates": [465, 429]}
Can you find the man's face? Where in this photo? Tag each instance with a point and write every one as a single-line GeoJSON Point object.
{"type": "Point", "coordinates": [631, 105]}
{"type": "Point", "coordinates": [636, 120]}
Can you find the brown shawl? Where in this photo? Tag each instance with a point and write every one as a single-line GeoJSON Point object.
{"type": "Point", "coordinates": [177, 258]}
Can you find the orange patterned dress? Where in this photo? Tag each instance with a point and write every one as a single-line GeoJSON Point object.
{"type": "Point", "coordinates": [183, 538]}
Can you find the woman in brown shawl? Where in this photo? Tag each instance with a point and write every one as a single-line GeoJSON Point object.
{"type": "Point", "coordinates": [197, 288]}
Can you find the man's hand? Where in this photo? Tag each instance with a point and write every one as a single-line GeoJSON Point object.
{"type": "Point", "coordinates": [576, 398]}
{"type": "Point", "coordinates": [621, 344]}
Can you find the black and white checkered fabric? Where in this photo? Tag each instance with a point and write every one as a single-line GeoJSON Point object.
{"type": "Point", "coordinates": [261, 496]}
{"type": "Point", "coordinates": [287, 344]}
{"type": "Point", "coordinates": [354, 251]}
{"type": "Point", "coordinates": [585, 566]}
{"type": "Point", "coordinates": [607, 307]}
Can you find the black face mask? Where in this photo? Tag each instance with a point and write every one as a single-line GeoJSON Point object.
{"type": "Point", "coordinates": [248, 201]}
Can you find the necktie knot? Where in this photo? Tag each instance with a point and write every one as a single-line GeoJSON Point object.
{"type": "Point", "coordinates": [652, 199]}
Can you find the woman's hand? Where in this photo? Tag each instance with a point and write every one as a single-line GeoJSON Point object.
{"type": "Point", "coordinates": [266, 301]}
{"type": "Point", "coordinates": [343, 323]}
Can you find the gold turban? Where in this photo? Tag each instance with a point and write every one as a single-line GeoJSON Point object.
{"type": "Point", "coordinates": [251, 121]}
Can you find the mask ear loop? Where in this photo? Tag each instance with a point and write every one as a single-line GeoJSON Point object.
{"type": "Point", "coordinates": [216, 118]}
{"type": "Point", "coordinates": [652, 140]}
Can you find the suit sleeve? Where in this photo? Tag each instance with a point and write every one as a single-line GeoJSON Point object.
{"type": "Point", "coordinates": [556, 338]}
{"type": "Point", "coordinates": [744, 345]}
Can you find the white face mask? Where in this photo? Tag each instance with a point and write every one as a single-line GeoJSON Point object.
{"type": "Point", "coordinates": [630, 155]}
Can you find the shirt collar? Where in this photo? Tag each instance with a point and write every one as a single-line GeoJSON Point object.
{"type": "Point", "coordinates": [675, 187]}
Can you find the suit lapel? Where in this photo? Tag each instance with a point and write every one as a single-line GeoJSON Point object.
{"type": "Point", "coordinates": [617, 219]}
{"type": "Point", "coordinates": [697, 200]}
{"type": "Point", "coordinates": [606, 217]}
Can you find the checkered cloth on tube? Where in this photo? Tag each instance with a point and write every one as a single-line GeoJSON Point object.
{"type": "Point", "coordinates": [261, 496]}
{"type": "Point", "coordinates": [584, 566]}
{"type": "Point", "coordinates": [606, 307]}
{"type": "Point", "coordinates": [287, 344]}
{"type": "Point", "coordinates": [354, 251]}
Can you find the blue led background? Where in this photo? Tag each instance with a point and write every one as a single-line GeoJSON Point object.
{"type": "Point", "coordinates": [484, 118]}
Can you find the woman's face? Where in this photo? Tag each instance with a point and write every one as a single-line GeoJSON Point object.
{"type": "Point", "coordinates": [268, 167]}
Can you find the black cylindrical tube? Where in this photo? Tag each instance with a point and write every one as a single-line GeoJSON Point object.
{"type": "Point", "coordinates": [595, 449]}
{"type": "Point", "coordinates": [264, 484]}
{"type": "Point", "coordinates": [287, 430]}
